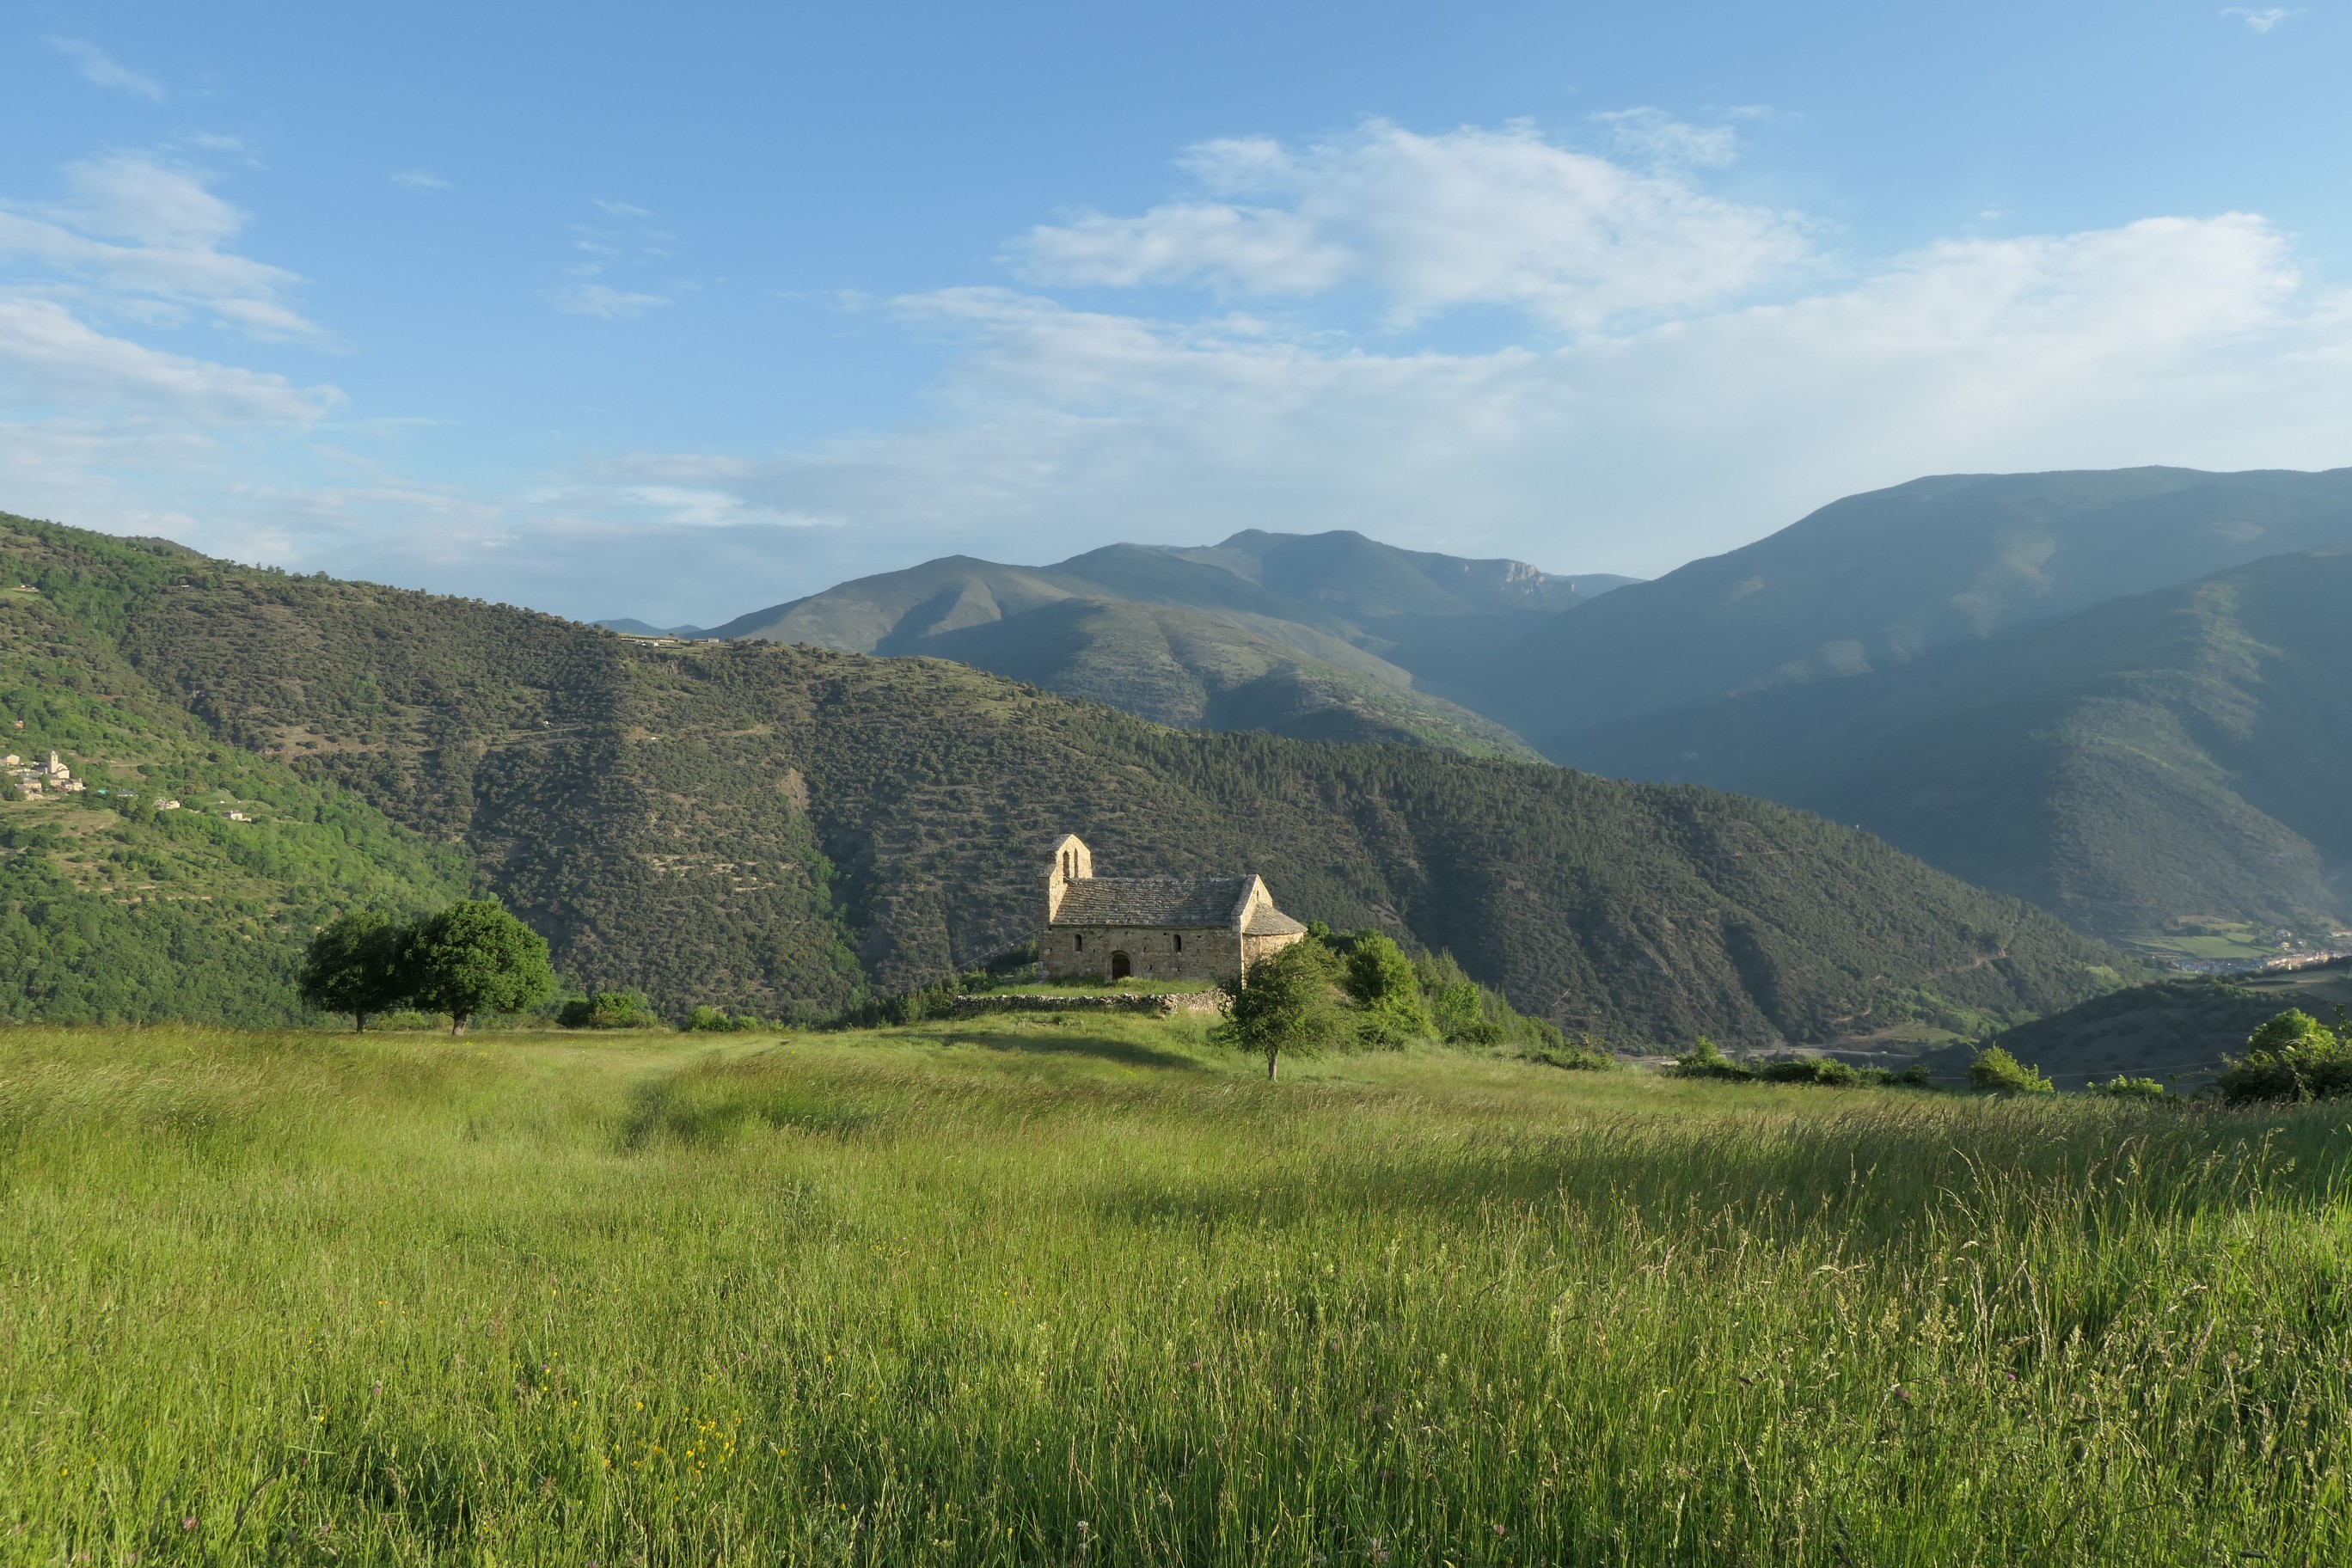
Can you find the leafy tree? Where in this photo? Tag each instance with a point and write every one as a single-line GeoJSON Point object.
{"type": "Point", "coordinates": [356, 965]}
{"type": "Point", "coordinates": [1378, 978]}
{"type": "Point", "coordinates": [1458, 1012]}
{"type": "Point", "coordinates": [2291, 1056]}
{"type": "Point", "coordinates": [1288, 1004]}
{"type": "Point", "coordinates": [1997, 1072]}
{"type": "Point", "coordinates": [717, 1021]}
{"type": "Point", "coordinates": [474, 958]}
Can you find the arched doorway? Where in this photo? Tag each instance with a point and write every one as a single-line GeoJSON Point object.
{"type": "Point", "coordinates": [1119, 967]}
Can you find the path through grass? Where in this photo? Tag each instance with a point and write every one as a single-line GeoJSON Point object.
{"type": "Point", "coordinates": [1011, 1291]}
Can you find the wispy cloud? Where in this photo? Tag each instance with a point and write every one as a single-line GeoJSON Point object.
{"type": "Point", "coordinates": [628, 243]}
{"type": "Point", "coordinates": [1678, 373]}
{"type": "Point", "coordinates": [98, 67]}
{"type": "Point", "coordinates": [1430, 223]}
{"type": "Point", "coordinates": [1656, 137]}
{"type": "Point", "coordinates": [139, 236]}
{"type": "Point", "coordinates": [60, 362]}
{"type": "Point", "coordinates": [419, 180]}
{"type": "Point", "coordinates": [98, 422]}
{"type": "Point", "coordinates": [599, 300]}
{"type": "Point", "coordinates": [2171, 340]}
{"type": "Point", "coordinates": [2261, 21]}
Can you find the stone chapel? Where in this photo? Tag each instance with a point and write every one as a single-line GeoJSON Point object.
{"type": "Point", "coordinates": [1154, 928]}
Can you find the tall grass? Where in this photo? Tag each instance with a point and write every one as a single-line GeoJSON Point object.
{"type": "Point", "coordinates": [1012, 1292]}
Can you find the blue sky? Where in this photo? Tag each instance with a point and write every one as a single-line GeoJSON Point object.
{"type": "Point", "coordinates": [679, 311]}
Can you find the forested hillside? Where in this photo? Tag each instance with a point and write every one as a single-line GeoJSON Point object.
{"type": "Point", "coordinates": [775, 828]}
{"type": "Point", "coordinates": [1193, 671]}
{"type": "Point", "coordinates": [1328, 637]}
{"type": "Point", "coordinates": [115, 904]}
{"type": "Point", "coordinates": [2168, 769]}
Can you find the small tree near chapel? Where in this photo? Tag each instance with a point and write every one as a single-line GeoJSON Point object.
{"type": "Point", "coordinates": [1289, 1002]}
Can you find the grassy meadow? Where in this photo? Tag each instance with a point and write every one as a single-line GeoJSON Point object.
{"type": "Point", "coordinates": [1024, 1291]}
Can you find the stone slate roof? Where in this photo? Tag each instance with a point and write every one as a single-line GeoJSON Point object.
{"type": "Point", "coordinates": [1198, 901]}
{"type": "Point", "coordinates": [1271, 921]}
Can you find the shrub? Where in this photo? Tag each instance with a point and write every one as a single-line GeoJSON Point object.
{"type": "Point", "coordinates": [936, 1000]}
{"type": "Point", "coordinates": [1465, 1013]}
{"type": "Point", "coordinates": [1705, 1059]}
{"type": "Point", "coordinates": [1826, 1070]}
{"type": "Point", "coordinates": [2122, 1087]}
{"type": "Point", "coordinates": [2290, 1056]}
{"type": "Point", "coordinates": [610, 1010]}
{"type": "Point", "coordinates": [713, 1021]}
{"type": "Point", "coordinates": [1014, 965]}
{"type": "Point", "coordinates": [1458, 1012]}
{"type": "Point", "coordinates": [1579, 1055]}
{"type": "Point", "coordinates": [1378, 978]}
{"type": "Point", "coordinates": [1997, 1072]}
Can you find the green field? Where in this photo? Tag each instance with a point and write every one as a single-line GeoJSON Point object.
{"type": "Point", "coordinates": [1024, 1290]}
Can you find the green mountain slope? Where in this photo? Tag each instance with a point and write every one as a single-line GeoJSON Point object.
{"type": "Point", "coordinates": [2179, 1028]}
{"type": "Point", "coordinates": [775, 826]}
{"type": "Point", "coordinates": [1328, 635]}
{"type": "Point", "coordinates": [1875, 581]}
{"type": "Point", "coordinates": [1194, 671]}
{"type": "Point", "coordinates": [113, 906]}
{"type": "Point", "coordinates": [2168, 769]}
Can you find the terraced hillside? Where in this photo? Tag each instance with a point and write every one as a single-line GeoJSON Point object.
{"type": "Point", "coordinates": [780, 828]}
{"type": "Point", "coordinates": [115, 902]}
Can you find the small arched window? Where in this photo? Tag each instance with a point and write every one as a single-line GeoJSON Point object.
{"type": "Point", "coordinates": [1082, 941]}
{"type": "Point", "coordinates": [1180, 941]}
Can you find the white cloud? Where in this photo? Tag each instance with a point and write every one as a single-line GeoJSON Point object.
{"type": "Point", "coordinates": [139, 234]}
{"type": "Point", "coordinates": [55, 360]}
{"type": "Point", "coordinates": [98, 67]}
{"type": "Point", "coordinates": [2261, 21]}
{"type": "Point", "coordinates": [100, 428]}
{"type": "Point", "coordinates": [1739, 382]}
{"type": "Point", "coordinates": [598, 299]}
{"type": "Point", "coordinates": [618, 209]}
{"type": "Point", "coordinates": [1427, 223]}
{"type": "Point", "coordinates": [419, 180]}
{"type": "Point", "coordinates": [2167, 341]}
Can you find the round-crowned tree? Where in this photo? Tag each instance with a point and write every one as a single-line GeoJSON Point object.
{"type": "Point", "coordinates": [1288, 1003]}
{"type": "Point", "coordinates": [475, 958]}
{"type": "Point", "coordinates": [355, 965]}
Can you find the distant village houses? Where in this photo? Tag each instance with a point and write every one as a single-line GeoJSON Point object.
{"type": "Point", "coordinates": [1154, 928]}
{"type": "Point", "coordinates": [51, 777]}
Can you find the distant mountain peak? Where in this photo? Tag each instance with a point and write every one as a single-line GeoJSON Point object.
{"type": "Point", "coordinates": [1333, 634]}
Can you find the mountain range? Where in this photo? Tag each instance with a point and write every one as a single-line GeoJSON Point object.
{"type": "Point", "coordinates": [2121, 694]}
{"type": "Point", "coordinates": [783, 828]}
{"type": "Point", "coordinates": [1324, 636]}
{"type": "Point", "coordinates": [2165, 769]}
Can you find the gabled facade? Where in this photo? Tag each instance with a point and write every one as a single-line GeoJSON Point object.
{"type": "Point", "coordinates": [1154, 928]}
